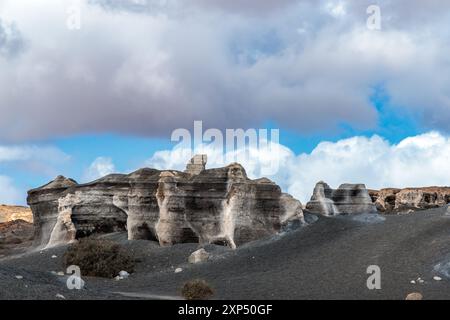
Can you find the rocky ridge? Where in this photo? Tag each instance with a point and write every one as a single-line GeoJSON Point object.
{"type": "Point", "coordinates": [347, 199]}
{"type": "Point", "coordinates": [392, 200]}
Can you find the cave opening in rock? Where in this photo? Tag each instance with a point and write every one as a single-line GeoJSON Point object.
{"type": "Point", "coordinates": [189, 236]}
{"type": "Point", "coordinates": [91, 220]}
{"type": "Point", "coordinates": [144, 232]}
{"type": "Point", "coordinates": [222, 242]}
{"type": "Point", "coordinates": [390, 202]}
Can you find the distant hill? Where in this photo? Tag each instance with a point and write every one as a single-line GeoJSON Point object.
{"type": "Point", "coordinates": [10, 213]}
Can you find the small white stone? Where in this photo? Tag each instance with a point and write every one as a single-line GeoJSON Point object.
{"type": "Point", "coordinates": [19, 277]}
{"type": "Point", "coordinates": [124, 274]}
{"type": "Point", "coordinates": [54, 256]}
{"type": "Point", "coordinates": [437, 278]}
{"type": "Point", "coordinates": [413, 281]}
{"type": "Point", "coordinates": [177, 270]}
{"type": "Point", "coordinates": [60, 296]}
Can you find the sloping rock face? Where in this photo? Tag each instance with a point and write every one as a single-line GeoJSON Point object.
{"type": "Point", "coordinates": [403, 200]}
{"type": "Point", "coordinates": [221, 206]}
{"type": "Point", "coordinates": [15, 235]}
{"type": "Point", "coordinates": [347, 199]}
{"type": "Point", "coordinates": [11, 213]}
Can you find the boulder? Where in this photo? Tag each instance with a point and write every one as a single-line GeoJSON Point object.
{"type": "Point", "coordinates": [219, 206]}
{"type": "Point", "coordinates": [201, 255]}
{"type": "Point", "coordinates": [347, 199]}
{"type": "Point", "coordinates": [414, 296]}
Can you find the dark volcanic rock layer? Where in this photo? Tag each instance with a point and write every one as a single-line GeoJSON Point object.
{"type": "Point", "coordinates": [347, 199]}
{"type": "Point", "coordinates": [221, 206]}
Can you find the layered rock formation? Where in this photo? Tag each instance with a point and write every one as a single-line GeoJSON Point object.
{"type": "Point", "coordinates": [11, 213]}
{"type": "Point", "coordinates": [347, 199]}
{"type": "Point", "coordinates": [391, 200]}
{"type": "Point", "coordinates": [221, 206]}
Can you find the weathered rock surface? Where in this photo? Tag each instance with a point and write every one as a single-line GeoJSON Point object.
{"type": "Point", "coordinates": [197, 164]}
{"type": "Point", "coordinates": [347, 199]}
{"type": "Point", "coordinates": [221, 206]}
{"type": "Point", "coordinates": [11, 213]}
{"type": "Point", "coordinates": [410, 199]}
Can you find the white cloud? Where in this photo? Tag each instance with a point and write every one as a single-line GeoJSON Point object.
{"type": "Point", "coordinates": [416, 161]}
{"type": "Point", "coordinates": [32, 160]}
{"type": "Point", "coordinates": [9, 194]}
{"type": "Point", "coordinates": [100, 167]}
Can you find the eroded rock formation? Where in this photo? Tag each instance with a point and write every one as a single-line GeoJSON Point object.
{"type": "Point", "coordinates": [347, 199]}
{"type": "Point", "coordinates": [392, 200]}
{"type": "Point", "coordinates": [221, 206]}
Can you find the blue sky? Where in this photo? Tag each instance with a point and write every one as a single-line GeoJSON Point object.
{"type": "Point", "coordinates": [106, 95]}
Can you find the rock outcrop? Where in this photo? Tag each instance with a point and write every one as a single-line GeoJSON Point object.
{"type": "Point", "coordinates": [347, 199]}
{"type": "Point", "coordinates": [11, 213]}
{"type": "Point", "coordinates": [221, 206]}
{"type": "Point", "coordinates": [392, 200]}
{"type": "Point", "coordinates": [197, 164]}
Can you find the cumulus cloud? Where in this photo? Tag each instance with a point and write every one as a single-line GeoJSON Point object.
{"type": "Point", "coordinates": [9, 193]}
{"type": "Point", "coordinates": [414, 162]}
{"type": "Point", "coordinates": [100, 167]}
{"type": "Point", "coordinates": [148, 67]}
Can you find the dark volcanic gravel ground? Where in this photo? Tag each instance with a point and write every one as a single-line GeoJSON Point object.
{"type": "Point", "coordinates": [326, 260]}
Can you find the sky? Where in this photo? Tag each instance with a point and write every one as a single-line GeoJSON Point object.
{"type": "Point", "coordinates": [91, 87]}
